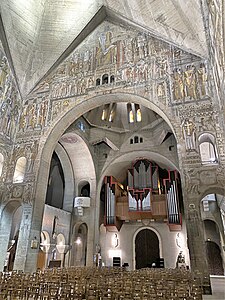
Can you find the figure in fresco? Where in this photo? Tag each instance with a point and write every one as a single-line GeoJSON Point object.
{"type": "Point", "coordinates": [189, 134]}
{"type": "Point", "coordinates": [23, 119]}
{"type": "Point", "coordinates": [190, 82]}
{"type": "Point", "coordinates": [140, 47]}
{"type": "Point", "coordinates": [202, 79]}
{"type": "Point", "coordinates": [5, 113]}
{"type": "Point", "coordinates": [56, 109]}
{"type": "Point", "coordinates": [178, 84]}
{"type": "Point", "coordinates": [90, 82]}
{"type": "Point", "coordinates": [106, 50]}
{"type": "Point", "coordinates": [27, 194]}
{"type": "Point", "coordinates": [43, 109]}
{"type": "Point", "coordinates": [4, 70]}
{"type": "Point", "coordinates": [161, 89]}
{"type": "Point", "coordinates": [161, 67]}
{"type": "Point", "coordinates": [72, 68]}
{"type": "Point", "coordinates": [194, 221]}
{"type": "Point", "coordinates": [32, 115]}
{"type": "Point", "coordinates": [87, 61]}
{"type": "Point", "coordinates": [127, 51]}
{"type": "Point", "coordinates": [32, 153]}
{"type": "Point", "coordinates": [11, 125]}
{"type": "Point", "coordinates": [142, 72]}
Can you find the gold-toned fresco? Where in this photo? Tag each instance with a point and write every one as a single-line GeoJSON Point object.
{"type": "Point", "coordinates": [114, 58]}
{"type": "Point", "coordinates": [9, 100]}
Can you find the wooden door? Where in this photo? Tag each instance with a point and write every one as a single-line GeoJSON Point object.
{"type": "Point", "coordinates": [146, 249]}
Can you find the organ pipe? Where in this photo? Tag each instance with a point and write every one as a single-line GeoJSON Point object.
{"type": "Point", "coordinates": [172, 204]}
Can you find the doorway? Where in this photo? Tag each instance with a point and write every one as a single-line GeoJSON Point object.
{"type": "Point", "coordinates": [146, 249]}
{"type": "Point", "coordinates": [215, 261]}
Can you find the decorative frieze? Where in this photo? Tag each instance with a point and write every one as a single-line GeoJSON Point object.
{"type": "Point", "coordinates": [119, 57]}
{"type": "Point", "coordinates": [198, 180]}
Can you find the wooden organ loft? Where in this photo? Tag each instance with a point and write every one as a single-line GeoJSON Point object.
{"type": "Point", "coordinates": [152, 193]}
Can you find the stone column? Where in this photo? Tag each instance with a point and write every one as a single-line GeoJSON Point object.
{"type": "Point", "coordinates": [5, 228]}
{"type": "Point", "coordinates": [38, 201]}
{"type": "Point", "coordinates": [24, 244]}
{"type": "Point", "coordinates": [196, 242]}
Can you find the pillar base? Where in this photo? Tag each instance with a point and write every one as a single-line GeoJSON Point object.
{"type": "Point", "coordinates": [207, 290]}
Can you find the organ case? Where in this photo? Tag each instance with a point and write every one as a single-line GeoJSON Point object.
{"type": "Point", "coordinates": [152, 193]}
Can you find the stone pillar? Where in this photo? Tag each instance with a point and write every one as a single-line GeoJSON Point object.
{"type": "Point", "coordinates": [5, 229]}
{"type": "Point", "coordinates": [38, 201]}
{"type": "Point", "coordinates": [196, 242]}
{"type": "Point", "coordinates": [23, 245]}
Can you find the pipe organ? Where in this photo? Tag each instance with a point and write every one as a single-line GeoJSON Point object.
{"type": "Point", "coordinates": [112, 192]}
{"type": "Point", "coordinates": [172, 198]}
{"type": "Point", "coordinates": [152, 193]}
{"type": "Point", "coordinates": [142, 180]}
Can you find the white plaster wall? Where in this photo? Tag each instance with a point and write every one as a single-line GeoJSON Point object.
{"type": "Point", "coordinates": [62, 224]}
{"type": "Point", "coordinates": [169, 248]}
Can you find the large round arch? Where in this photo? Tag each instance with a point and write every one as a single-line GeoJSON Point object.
{"type": "Point", "coordinates": [79, 245]}
{"type": "Point", "coordinates": [54, 134]}
{"type": "Point", "coordinates": [214, 258]}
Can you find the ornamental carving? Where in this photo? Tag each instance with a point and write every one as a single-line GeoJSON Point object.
{"type": "Point", "coordinates": [198, 180]}
{"type": "Point", "coordinates": [34, 115]}
{"type": "Point", "coordinates": [17, 191]}
{"type": "Point", "coordinates": [192, 181]}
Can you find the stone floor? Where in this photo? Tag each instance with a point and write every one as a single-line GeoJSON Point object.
{"type": "Point", "coordinates": [218, 288]}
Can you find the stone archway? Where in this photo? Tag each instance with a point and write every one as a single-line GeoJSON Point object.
{"type": "Point", "coordinates": [215, 262]}
{"type": "Point", "coordinates": [53, 135]}
{"type": "Point", "coordinates": [79, 245]}
{"type": "Point", "coordinates": [9, 233]}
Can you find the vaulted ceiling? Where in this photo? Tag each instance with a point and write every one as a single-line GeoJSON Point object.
{"type": "Point", "coordinates": [38, 35]}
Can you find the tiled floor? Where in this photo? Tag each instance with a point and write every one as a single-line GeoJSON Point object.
{"type": "Point", "coordinates": [218, 288]}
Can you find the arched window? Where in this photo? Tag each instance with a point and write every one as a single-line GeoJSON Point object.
{"type": "Point", "coordinates": [207, 149]}
{"type": "Point", "coordinates": [98, 81]}
{"type": "Point", "coordinates": [105, 79]}
{"type": "Point", "coordinates": [105, 112]}
{"type": "Point", "coordinates": [112, 112]}
{"type": "Point", "coordinates": [112, 78]}
{"type": "Point", "coordinates": [84, 189]}
{"type": "Point", "coordinates": [131, 141]}
{"type": "Point", "coordinates": [138, 112]}
{"type": "Point", "coordinates": [1, 163]}
{"type": "Point", "coordinates": [130, 113]}
{"type": "Point", "coordinates": [136, 139]}
{"type": "Point", "coordinates": [81, 126]}
{"type": "Point", "coordinates": [20, 170]}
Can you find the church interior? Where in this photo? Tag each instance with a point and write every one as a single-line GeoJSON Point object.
{"type": "Point", "coordinates": [112, 149]}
